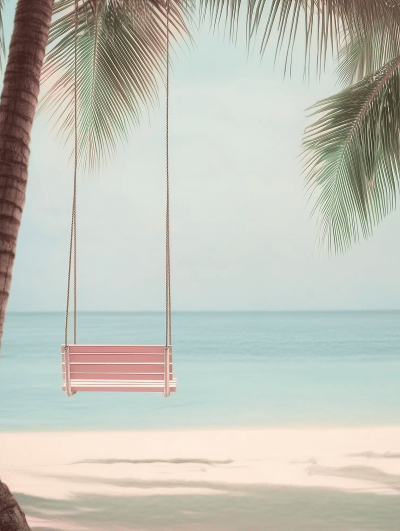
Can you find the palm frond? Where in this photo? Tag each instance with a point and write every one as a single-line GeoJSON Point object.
{"type": "Point", "coordinates": [369, 48]}
{"type": "Point", "coordinates": [121, 56]}
{"type": "Point", "coordinates": [352, 157]}
{"type": "Point", "coordinates": [218, 10]}
{"type": "Point", "coordinates": [323, 24]}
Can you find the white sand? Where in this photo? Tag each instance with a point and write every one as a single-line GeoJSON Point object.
{"type": "Point", "coordinates": [62, 465]}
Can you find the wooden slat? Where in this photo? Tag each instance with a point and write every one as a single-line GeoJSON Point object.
{"type": "Point", "coordinates": [93, 376]}
{"type": "Point", "coordinates": [111, 370]}
{"type": "Point", "coordinates": [119, 383]}
{"type": "Point", "coordinates": [153, 368]}
{"type": "Point", "coordinates": [116, 358]}
{"type": "Point", "coordinates": [121, 349]}
{"type": "Point", "coordinates": [107, 376]}
{"type": "Point", "coordinates": [123, 389]}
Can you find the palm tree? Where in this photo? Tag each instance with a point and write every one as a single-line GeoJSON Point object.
{"type": "Point", "coordinates": [351, 151]}
{"type": "Point", "coordinates": [11, 516]}
{"type": "Point", "coordinates": [17, 110]}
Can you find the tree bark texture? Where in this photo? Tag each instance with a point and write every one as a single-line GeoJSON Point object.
{"type": "Point", "coordinates": [17, 109]}
{"type": "Point", "coordinates": [11, 516]}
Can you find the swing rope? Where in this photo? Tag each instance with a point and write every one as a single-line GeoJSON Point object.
{"type": "Point", "coordinates": [168, 337]}
{"type": "Point", "coordinates": [72, 246]}
{"type": "Point", "coordinates": [72, 243]}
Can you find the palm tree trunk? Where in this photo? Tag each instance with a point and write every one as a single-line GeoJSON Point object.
{"type": "Point", "coordinates": [11, 516]}
{"type": "Point", "coordinates": [17, 110]}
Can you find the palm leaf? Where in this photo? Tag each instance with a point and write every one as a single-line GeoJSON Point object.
{"type": "Point", "coordinates": [324, 24]}
{"type": "Point", "coordinates": [352, 157]}
{"type": "Point", "coordinates": [229, 10]}
{"type": "Point", "coordinates": [121, 56]}
{"type": "Point", "coordinates": [371, 47]}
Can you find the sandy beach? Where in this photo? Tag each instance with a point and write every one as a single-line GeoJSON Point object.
{"type": "Point", "coordinates": [222, 479]}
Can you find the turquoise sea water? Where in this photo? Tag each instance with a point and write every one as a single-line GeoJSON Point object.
{"type": "Point", "coordinates": [253, 369]}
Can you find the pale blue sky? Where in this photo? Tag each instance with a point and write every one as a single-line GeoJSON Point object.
{"type": "Point", "coordinates": [240, 228]}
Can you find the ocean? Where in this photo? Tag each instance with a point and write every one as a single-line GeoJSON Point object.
{"type": "Point", "coordinates": [234, 369]}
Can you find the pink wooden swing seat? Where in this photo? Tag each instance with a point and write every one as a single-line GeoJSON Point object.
{"type": "Point", "coordinates": [140, 368]}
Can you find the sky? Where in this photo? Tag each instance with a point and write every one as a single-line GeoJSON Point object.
{"type": "Point", "coordinates": [241, 233]}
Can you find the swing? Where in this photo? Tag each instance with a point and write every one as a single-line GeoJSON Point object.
{"type": "Point", "coordinates": [140, 368]}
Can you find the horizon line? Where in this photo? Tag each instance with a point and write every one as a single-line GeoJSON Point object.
{"type": "Point", "coordinates": [349, 310]}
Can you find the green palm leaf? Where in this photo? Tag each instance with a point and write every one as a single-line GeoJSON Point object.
{"type": "Point", "coordinates": [365, 52]}
{"type": "Point", "coordinates": [352, 157]}
{"type": "Point", "coordinates": [121, 55]}
{"type": "Point", "coordinates": [325, 23]}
